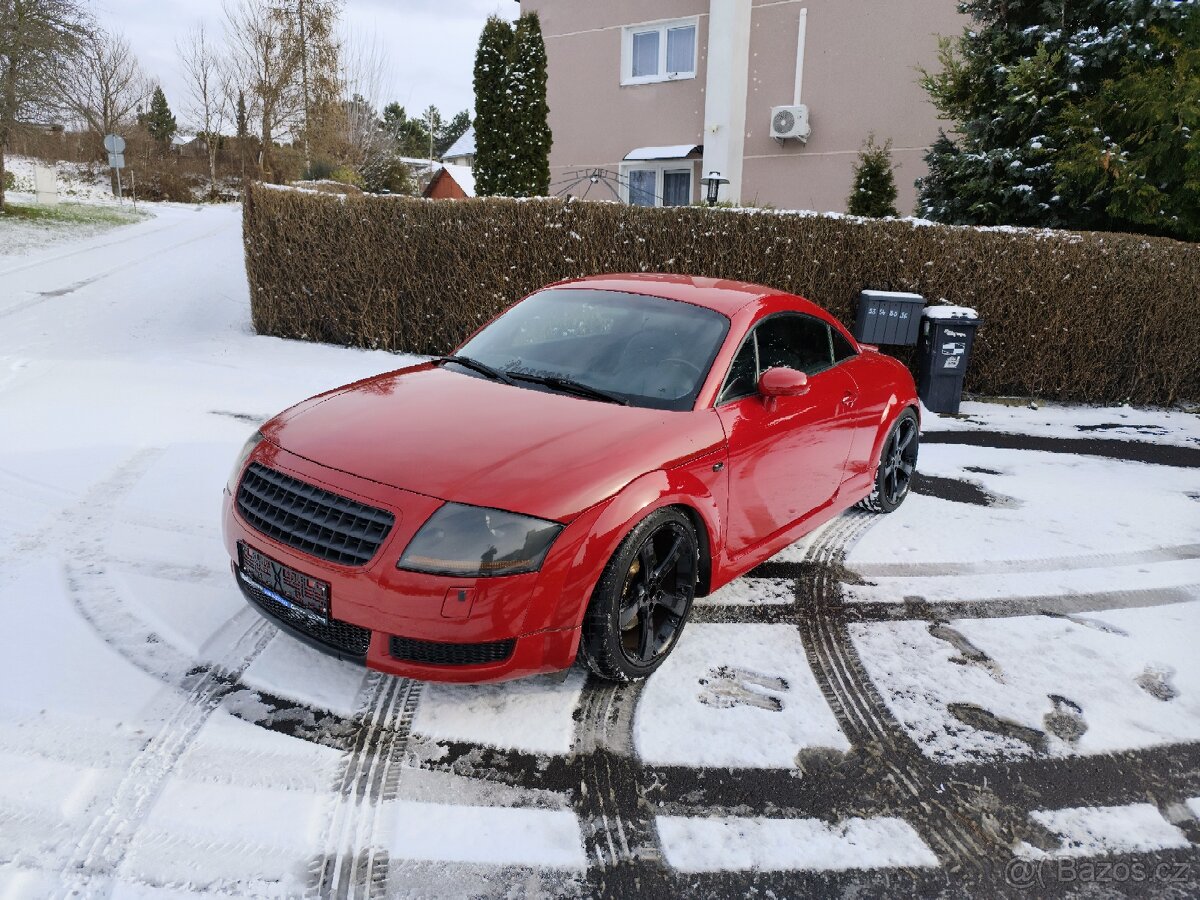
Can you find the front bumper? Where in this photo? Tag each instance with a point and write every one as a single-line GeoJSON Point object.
{"type": "Point", "coordinates": [509, 627]}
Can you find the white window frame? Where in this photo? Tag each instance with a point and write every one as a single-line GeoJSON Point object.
{"type": "Point", "coordinates": [659, 167]}
{"type": "Point", "coordinates": [662, 27]}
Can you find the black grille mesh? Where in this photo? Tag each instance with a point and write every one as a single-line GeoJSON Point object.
{"type": "Point", "coordinates": [435, 653]}
{"type": "Point", "coordinates": [352, 640]}
{"type": "Point", "coordinates": [318, 522]}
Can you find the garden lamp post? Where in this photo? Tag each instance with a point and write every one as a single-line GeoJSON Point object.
{"type": "Point", "coordinates": [713, 182]}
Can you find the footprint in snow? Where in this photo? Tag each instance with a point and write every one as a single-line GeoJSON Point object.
{"type": "Point", "coordinates": [985, 720]}
{"type": "Point", "coordinates": [726, 687]}
{"type": "Point", "coordinates": [970, 655]}
{"type": "Point", "coordinates": [1157, 683]}
{"type": "Point", "coordinates": [1066, 720]}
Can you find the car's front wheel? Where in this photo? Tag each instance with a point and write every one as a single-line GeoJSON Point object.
{"type": "Point", "coordinates": [643, 598]}
{"type": "Point", "coordinates": [897, 465]}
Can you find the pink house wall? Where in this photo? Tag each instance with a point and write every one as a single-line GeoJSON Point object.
{"type": "Point", "coordinates": [860, 76]}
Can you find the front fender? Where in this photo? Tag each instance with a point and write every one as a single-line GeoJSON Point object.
{"type": "Point", "coordinates": [696, 487]}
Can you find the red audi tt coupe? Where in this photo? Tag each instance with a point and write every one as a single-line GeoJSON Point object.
{"type": "Point", "coordinates": [568, 481]}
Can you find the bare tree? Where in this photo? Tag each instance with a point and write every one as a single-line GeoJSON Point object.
{"type": "Point", "coordinates": [37, 38]}
{"type": "Point", "coordinates": [363, 64]}
{"type": "Point", "coordinates": [314, 23]}
{"type": "Point", "coordinates": [104, 85]}
{"type": "Point", "coordinates": [207, 104]}
{"type": "Point", "coordinates": [265, 55]}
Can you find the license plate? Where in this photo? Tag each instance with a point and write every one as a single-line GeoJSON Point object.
{"type": "Point", "coordinates": [294, 589]}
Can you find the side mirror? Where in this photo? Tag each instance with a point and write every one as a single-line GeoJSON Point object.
{"type": "Point", "coordinates": [782, 382]}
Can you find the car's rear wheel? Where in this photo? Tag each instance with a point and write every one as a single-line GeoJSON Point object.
{"type": "Point", "coordinates": [643, 598]}
{"type": "Point", "coordinates": [897, 465]}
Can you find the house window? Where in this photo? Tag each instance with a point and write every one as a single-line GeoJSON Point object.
{"type": "Point", "coordinates": [658, 184]}
{"type": "Point", "coordinates": [659, 51]}
{"type": "Point", "coordinates": [643, 187]}
{"type": "Point", "coordinates": [677, 188]}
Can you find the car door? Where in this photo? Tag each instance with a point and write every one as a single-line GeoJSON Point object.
{"type": "Point", "coordinates": [786, 457]}
{"type": "Point", "coordinates": [874, 394]}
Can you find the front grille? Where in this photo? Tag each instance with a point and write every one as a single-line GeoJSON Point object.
{"type": "Point", "coordinates": [343, 637]}
{"type": "Point", "coordinates": [434, 653]}
{"type": "Point", "coordinates": [300, 515]}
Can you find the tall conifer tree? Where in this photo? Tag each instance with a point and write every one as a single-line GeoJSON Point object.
{"type": "Point", "coordinates": [530, 113]}
{"type": "Point", "coordinates": [494, 149]}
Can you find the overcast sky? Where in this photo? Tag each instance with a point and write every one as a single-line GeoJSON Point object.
{"type": "Point", "coordinates": [429, 45]}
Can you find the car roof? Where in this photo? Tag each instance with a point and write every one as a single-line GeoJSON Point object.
{"type": "Point", "coordinates": [726, 297]}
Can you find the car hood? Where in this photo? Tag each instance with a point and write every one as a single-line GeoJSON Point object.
{"type": "Point", "coordinates": [469, 440]}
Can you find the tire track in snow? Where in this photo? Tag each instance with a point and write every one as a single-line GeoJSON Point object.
{"type": "Point", "coordinates": [352, 864]}
{"type": "Point", "coordinates": [79, 533]}
{"type": "Point", "coordinates": [1057, 605]}
{"type": "Point", "coordinates": [1108, 448]}
{"type": "Point", "coordinates": [947, 827]}
{"type": "Point", "coordinates": [95, 860]}
{"type": "Point", "coordinates": [52, 258]}
{"type": "Point", "coordinates": [42, 296]}
{"type": "Point", "coordinates": [955, 809]}
{"type": "Point", "coordinates": [619, 835]}
{"type": "Point", "coordinates": [190, 693]}
{"type": "Point", "coordinates": [1054, 564]}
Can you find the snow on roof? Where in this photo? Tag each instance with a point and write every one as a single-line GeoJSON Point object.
{"type": "Point", "coordinates": [464, 146]}
{"type": "Point", "coordinates": [950, 312]}
{"type": "Point", "coordinates": [182, 137]}
{"type": "Point", "coordinates": [895, 295]}
{"type": "Point", "coordinates": [463, 176]}
{"type": "Point", "coordinates": [417, 162]}
{"type": "Point", "coordinates": [679, 151]}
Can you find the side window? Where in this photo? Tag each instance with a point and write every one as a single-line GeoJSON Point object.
{"type": "Point", "coordinates": [742, 380]}
{"type": "Point", "coordinates": [795, 342]}
{"type": "Point", "coordinates": [841, 346]}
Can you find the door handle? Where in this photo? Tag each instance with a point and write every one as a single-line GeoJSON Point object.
{"type": "Point", "coordinates": [849, 398]}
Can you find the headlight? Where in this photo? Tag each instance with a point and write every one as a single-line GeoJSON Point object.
{"type": "Point", "coordinates": [475, 542]}
{"type": "Point", "coordinates": [247, 449]}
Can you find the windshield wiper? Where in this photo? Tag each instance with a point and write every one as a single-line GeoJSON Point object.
{"type": "Point", "coordinates": [569, 385]}
{"type": "Point", "coordinates": [475, 366]}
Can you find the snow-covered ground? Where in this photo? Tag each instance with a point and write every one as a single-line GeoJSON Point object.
{"type": "Point", "coordinates": [76, 181]}
{"type": "Point", "coordinates": [1060, 420]}
{"type": "Point", "coordinates": [813, 732]}
{"type": "Point", "coordinates": [86, 208]}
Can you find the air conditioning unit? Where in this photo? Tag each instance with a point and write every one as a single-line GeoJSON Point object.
{"type": "Point", "coordinates": [790, 122]}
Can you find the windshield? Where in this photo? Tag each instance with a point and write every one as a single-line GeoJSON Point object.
{"type": "Point", "coordinates": [647, 351]}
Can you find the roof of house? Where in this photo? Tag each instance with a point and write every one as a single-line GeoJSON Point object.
{"type": "Point", "coordinates": [679, 151]}
{"type": "Point", "coordinates": [464, 146]}
{"type": "Point", "coordinates": [417, 162]}
{"type": "Point", "coordinates": [462, 175]}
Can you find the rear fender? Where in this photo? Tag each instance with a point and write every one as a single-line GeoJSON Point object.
{"type": "Point", "coordinates": [891, 412]}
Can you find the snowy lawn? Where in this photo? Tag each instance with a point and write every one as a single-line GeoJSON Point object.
{"type": "Point", "coordinates": [25, 226]}
{"type": "Point", "coordinates": [158, 738]}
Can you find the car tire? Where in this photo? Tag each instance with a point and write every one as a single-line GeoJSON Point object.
{"type": "Point", "coordinates": [633, 621]}
{"type": "Point", "coordinates": [897, 465]}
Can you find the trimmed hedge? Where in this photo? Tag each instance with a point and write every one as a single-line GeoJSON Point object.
{"type": "Point", "coordinates": [1068, 316]}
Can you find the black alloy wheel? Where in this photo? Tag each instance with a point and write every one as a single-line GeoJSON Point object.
{"type": "Point", "coordinates": [897, 465]}
{"type": "Point", "coordinates": [643, 598]}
